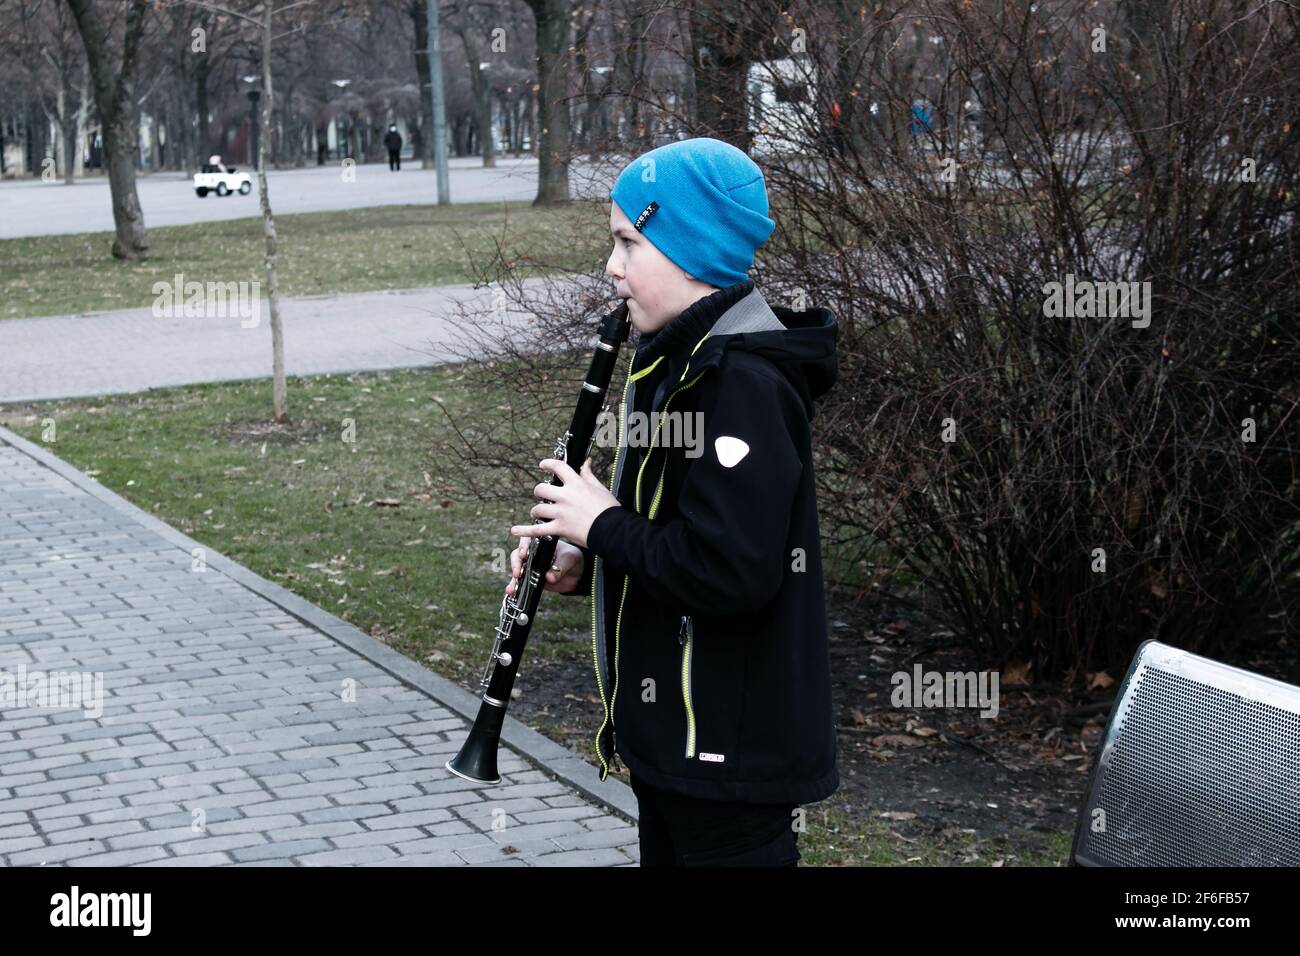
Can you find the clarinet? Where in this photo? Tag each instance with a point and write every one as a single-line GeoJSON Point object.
{"type": "Point", "coordinates": [477, 759]}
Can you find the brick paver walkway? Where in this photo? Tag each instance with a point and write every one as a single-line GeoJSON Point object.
{"type": "Point", "coordinates": [240, 724]}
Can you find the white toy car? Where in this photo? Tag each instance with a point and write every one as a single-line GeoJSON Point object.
{"type": "Point", "coordinates": [221, 179]}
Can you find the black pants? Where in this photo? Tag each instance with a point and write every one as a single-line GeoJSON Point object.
{"type": "Point", "coordinates": [394, 159]}
{"type": "Point", "coordinates": [684, 831]}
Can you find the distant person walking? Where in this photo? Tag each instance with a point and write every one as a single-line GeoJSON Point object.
{"type": "Point", "coordinates": [922, 118]}
{"type": "Point", "coordinates": [837, 130]}
{"type": "Point", "coordinates": [393, 140]}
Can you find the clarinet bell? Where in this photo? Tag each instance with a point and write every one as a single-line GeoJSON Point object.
{"type": "Point", "coordinates": [477, 760]}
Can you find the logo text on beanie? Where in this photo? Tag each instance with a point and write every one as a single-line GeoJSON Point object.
{"type": "Point", "coordinates": [646, 213]}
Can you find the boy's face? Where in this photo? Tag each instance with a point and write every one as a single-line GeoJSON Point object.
{"type": "Point", "coordinates": [655, 287]}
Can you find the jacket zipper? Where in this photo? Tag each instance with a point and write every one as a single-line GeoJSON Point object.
{"type": "Point", "coordinates": [686, 634]}
{"type": "Point", "coordinates": [686, 637]}
{"type": "Point", "coordinates": [595, 583]}
{"type": "Point", "coordinates": [618, 621]}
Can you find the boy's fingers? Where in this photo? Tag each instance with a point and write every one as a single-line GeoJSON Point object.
{"type": "Point", "coordinates": [559, 567]}
{"type": "Point", "coordinates": [560, 468]}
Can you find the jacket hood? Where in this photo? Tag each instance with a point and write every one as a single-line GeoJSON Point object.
{"type": "Point", "coordinates": [803, 348]}
{"type": "Point", "coordinates": [799, 343]}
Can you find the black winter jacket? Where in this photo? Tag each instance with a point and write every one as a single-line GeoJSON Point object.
{"type": "Point", "coordinates": [708, 616]}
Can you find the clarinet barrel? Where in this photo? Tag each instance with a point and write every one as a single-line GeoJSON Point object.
{"type": "Point", "coordinates": [477, 759]}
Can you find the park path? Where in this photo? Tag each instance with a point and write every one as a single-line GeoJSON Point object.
{"type": "Point", "coordinates": [223, 732]}
{"type": "Point", "coordinates": [129, 350]}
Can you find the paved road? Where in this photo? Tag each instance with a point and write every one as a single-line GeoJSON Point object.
{"type": "Point", "coordinates": [131, 349]}
{"type": "Point", "coordinates": [223, 731]}
{"type": "Point", "coordinates": [35, 208]}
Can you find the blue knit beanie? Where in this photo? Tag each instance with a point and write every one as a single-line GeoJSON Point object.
{"type": "Point", "coordinates": [703, 204]}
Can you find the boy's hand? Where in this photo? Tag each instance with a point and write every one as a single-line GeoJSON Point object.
{"type": "Point", "coordinates": [571, 507]}
{"type": "Point", "coordinates": [567, 558]}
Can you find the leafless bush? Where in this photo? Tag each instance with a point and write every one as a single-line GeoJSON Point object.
{"type": "Point", "coordinates": [1168, 448]}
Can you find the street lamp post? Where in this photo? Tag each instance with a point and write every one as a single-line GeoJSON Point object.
{"type": "Point", "coordinates": [485, 117]}
{"type": "Point", "coordinates": [343, 85]}
{"type": "Point", "coordinates": [254, 121]}
{"type": "Point", "coordinates": [596, 125]}
{"type": "Point", "coordinates": [439, 105]}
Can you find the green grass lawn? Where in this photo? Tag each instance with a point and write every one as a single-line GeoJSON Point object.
{"type": "Point", "coordinates": [358, 250]}
{"type": "Point", "coordinates": [371, 531]}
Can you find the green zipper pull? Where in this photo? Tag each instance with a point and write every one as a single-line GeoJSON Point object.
{"type": "Point", "coordinates": [681, 635]}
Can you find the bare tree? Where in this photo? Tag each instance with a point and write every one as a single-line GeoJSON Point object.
{"type": "Point", "coordinates": [279, 391]}
{"type": "Point", "coordinates": [115, 97]}
{"type": "Point", "coordinates": [418, 10]}
{"type": "Point", "coordinates": [468, 25]}
{"type": "Point", "coordinates": [727, 39]}
{"type": "Point", "coordinates": [48, 38]}
{"type": "Point", "coordinates": [552, 21]}
{"type": "Point", "coordinates": [262, 23]}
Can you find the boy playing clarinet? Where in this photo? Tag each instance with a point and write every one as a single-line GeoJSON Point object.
{"type": "Point", "coordinates": [704, 565]}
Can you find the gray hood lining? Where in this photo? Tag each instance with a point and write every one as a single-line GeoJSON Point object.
{"type": "Point", "coordinates": [750, 314]}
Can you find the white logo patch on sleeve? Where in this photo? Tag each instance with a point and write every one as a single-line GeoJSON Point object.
{"type": "Point", "coordinates": [730, 450]}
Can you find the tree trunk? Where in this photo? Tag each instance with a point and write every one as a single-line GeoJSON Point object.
{"type": "Point", "coordinates": [68, 127]}
{"type": "Point", "coordinates": [420, 16]}
{"type": "Point", "coordinates": [117, 109]}
{"type": "Point", "coordinates": [725, 42]}
{"type": "Point", "coordinates": [83, 118]}
{"type": "Point", "coordinates": [30, 163]}
{"type": "Point", "coordinates": [120, 153]}
{"type": "Point", "coordinates": [480, 90]}
{"type": "Point", "coordinates": [417, 134]}
{"type": "Point", "coordinates": [628, 60]}
{"type": "Point", "coordinates": [530, 125]}
{"type": "Point", "coordinates": [54, 135]}
{"type": "Point", "coordinates": [285, 151]}
{"type": "Point", "coordinates": [157, 128]}
{"type": "Point", "coordinates": [201, 106]}
{"type": "Point", "coordinates": [1150, 25]}
{"type": "Point", "coordinates": [483, 121]}
{"type": "Point", "coordinates": [279, 391]}
{"type": "Point", "coordinates": [179, 104]}
{"type": "Point", "coordinates": [552, 19]}
{"type": "Point", "coordinates": [354, 139]}
{"type": "Point", "coordinates": [593, 99]}
{"type": "Point", "coordinates": [458, 136]}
